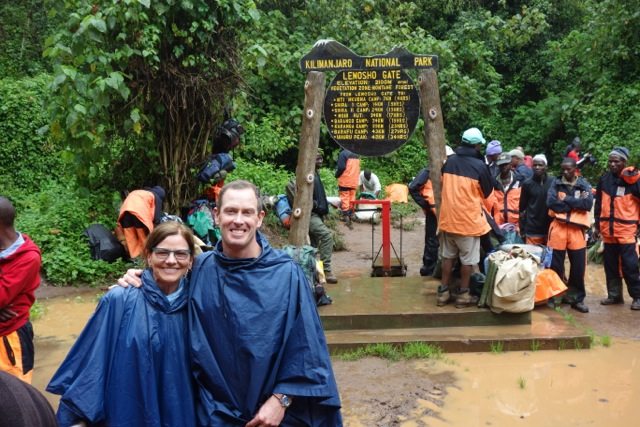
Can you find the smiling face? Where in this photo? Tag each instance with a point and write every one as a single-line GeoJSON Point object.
{"type": "Point", "coordinates": [166, 268]}
{"type": "Point", "coordinates": [239, 218]}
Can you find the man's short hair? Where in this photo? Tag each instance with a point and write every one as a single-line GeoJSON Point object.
{"type": "Point", "coordinates": [569, 160]}
{"type": "Point", "coordinates": [7, 212]}
{"type": "Point", "coordinates": [240, 184]}
{"type": "Point", "coordinates": [367, 174]}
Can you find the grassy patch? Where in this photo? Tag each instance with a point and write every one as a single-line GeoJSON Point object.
{"type": "Point", "coordinates": [522, 383]}
{"type": "Point", "coordinates": [413, 350]}
{"type": "Point", "coordinates": [605, 340]}
{"type": "Point", "coordinates": [497, 347]}
{"type": "Point", "coordinates": [535, 345]}
{"type": "Point", "coordinates": [36, 311]}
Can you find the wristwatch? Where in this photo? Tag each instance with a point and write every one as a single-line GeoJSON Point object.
{"type": "Point", "coordinates": [285, 401]}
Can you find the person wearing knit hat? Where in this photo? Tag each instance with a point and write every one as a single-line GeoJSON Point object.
{"type": "Point", "coordinates": [494, 149]}
{"type": "Point", "coordinates": [616, 213]}
{"type": "Point", "coordinates": [534, 213]}
{"type": "Point", "coordinates": [466, 182]}
{"type": "Point", "coordinates": [517, 163]}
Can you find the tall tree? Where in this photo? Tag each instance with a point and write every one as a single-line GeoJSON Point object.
{"type": "Point", "coordinates": [155, 72]}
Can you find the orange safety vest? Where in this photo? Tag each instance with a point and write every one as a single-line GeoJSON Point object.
{"type": "Point", "coordinates": [504, 206]}
{"type": "Point", "coordinates": [619, 211]}
{"type": "Point", "coordinates": [574, 216]}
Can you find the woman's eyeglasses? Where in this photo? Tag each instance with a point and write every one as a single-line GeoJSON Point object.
{"type": "Point", "coordinates": [179, 254]}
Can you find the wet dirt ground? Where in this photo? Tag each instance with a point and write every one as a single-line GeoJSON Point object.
{"type": "Point", "coordinates": [595, 387]}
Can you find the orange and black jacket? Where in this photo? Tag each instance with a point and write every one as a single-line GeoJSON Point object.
{"type": "Point", "coordinates": [617, 209]}
{"type": "Point", "coordinates": [348, 170]}
{"type": "Point", "coordinates": [466, 182]}
{"type": "Point", "coordinates": [504, 203]}
{"type": "Point", "coordinates": [566, 203]}
{"type": "Point", "coordinates": [421, 191]}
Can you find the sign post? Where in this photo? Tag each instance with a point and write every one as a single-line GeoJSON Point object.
{"type": "Point", "coordinates": [371, 108]}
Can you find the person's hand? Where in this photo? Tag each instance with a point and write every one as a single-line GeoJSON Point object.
{"type": "Point", "coordinates": [131, 277]}
{"type": "Point", "coordinates": [7, 314]}
{"type": "Point", "coordinates": [270, 414]}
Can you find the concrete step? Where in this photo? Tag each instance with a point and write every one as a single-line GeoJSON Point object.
{"type": "Point", "coordinates": [436, 317]}
{"type": "Point", "coordinates": [548, 331]}
{"type": "Point", "coordinates": [364, 302]}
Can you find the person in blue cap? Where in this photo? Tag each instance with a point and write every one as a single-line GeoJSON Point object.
{"type": "Point", "coordinates": [466, 182]}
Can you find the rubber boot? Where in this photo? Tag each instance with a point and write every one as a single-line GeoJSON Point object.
{"type": "Point", "coordinates": [614, 292]}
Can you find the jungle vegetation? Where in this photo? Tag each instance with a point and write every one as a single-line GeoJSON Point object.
{"type": "Point", "coordinates": [101, 96]}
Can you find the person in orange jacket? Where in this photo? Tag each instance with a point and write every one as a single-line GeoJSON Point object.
{"type": "Point", "coordinates": [466, 182]}
{"type": "Point", "coordinates": [504, 202]}
{"type": "Point", "coordinates": [617, 211]}
{"type": "Point", "coordinates": [569, 200]}
{"type": "Point", "coordinates": [348, 174]}
{"type": "Point", "coordinates": [141, 210]}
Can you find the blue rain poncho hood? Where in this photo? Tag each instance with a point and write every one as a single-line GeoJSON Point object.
{"type": "Point", "coordinates": [130, 364]}
{"type": "Point", "coordinates": [255, 331]}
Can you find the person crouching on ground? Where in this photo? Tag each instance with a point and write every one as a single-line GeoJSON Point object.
{"type": "Point", "coordinates": [570, 200]}
{"type": "Point", "coordinates": [616, 212]}
{"type": "Point", "coordinates": [130, 365]}
{"type": "Point", "coordinates": [466, 182]}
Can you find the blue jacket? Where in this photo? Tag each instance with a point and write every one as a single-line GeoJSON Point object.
{"type": "Point", "coordinates": [255, 331]}
{"type": "Point", "coordinates": [130, 365]}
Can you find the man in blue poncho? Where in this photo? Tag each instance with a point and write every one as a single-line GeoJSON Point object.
{"type": "Point", "coordinates": [258, 351]}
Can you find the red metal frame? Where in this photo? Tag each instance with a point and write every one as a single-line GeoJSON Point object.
{"type": "Point", "coordinates": [385, 220]}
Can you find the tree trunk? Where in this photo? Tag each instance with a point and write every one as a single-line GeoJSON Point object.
{"type": "Point", "coordinates": [308, 147]}
{"type": "Point", "coordinates": [433, 129]}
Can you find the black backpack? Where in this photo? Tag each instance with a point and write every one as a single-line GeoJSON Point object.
{"type": "Point", "coordinates": [103, 244]}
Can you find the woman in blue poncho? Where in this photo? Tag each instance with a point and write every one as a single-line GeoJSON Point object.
{"type": "Point", "coordinates": [130, 365]}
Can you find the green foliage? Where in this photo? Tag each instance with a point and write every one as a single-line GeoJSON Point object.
{"type": "Point", "coordinates": [23, 28]}
{"type": "Point", "coordinates": [158, 74]}
{"type": "Point", "coordinates": [522, 383]}
{"type": "Point", "coordinates": [496, 347]}
{"type": "Point", "coordinates": [55, 218]}
{"type": "Point", "coordinates": [37, 310]}
{"type": "Point", "coordinates": [411, 350]}
{"type": "Point", "coordinates": [26, 156]}
{"type": "Point", "coordinates": [269, 178]}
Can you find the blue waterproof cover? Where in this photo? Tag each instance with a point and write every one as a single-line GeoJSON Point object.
{"type": "Point", "coordinates": [255, 331]}
{"type": "Point", "coordinates": [130, 365]}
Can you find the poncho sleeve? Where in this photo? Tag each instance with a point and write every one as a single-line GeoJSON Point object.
{"type": "Point", "coordinates": [81, 379]}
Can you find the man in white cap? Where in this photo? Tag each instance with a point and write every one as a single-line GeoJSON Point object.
{"type": "Point", "coordinates": [534, 213]}
{"type": "Point", "coordinates": [517, 163]}
{"type": "Point", "coordinates": [466, 182]}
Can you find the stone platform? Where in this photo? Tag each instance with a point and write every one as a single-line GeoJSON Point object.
{"type": "Point", "coordinates": [398, 310]}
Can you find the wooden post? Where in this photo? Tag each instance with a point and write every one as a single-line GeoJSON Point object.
{"type": "Point", "coordinates": [307, 149]}
{"type": "Point", "coordinates": [433, 129]}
